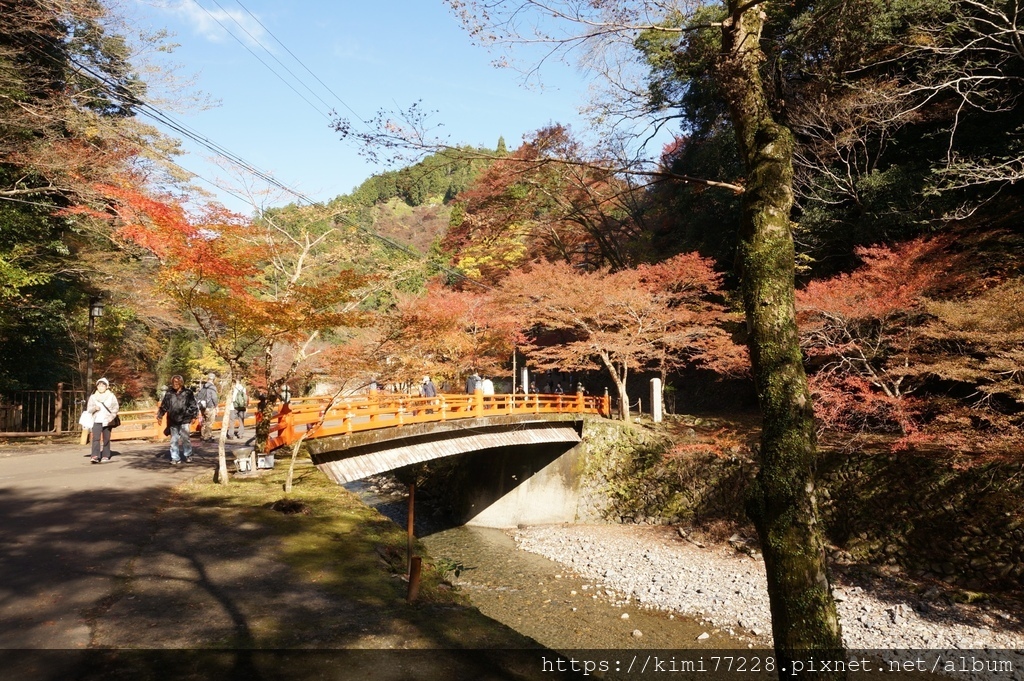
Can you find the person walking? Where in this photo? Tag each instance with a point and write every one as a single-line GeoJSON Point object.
{"type": "Point", "coordinates": [103, 407]}
{"type": "Point", "coordinates": [472, 383]}
{"type": "Point", "coordinates": [179, 404]}
{"type": "Point", "coordinates": [428, 389]}
{"type": "Point", "coordinates": [207, 399]}
{"type": "Point", "coordinates": [486, 386]}
{"type": "Point", "coordinates": [239, 403]}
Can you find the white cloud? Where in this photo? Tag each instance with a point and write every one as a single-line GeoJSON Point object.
{"type": "Point", "coordinates": [213, 23]}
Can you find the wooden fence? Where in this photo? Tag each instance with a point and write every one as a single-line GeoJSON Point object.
{"type": "Point", "coordinates": [41, 411]}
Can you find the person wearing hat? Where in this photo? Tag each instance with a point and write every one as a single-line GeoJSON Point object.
{"type": "Point", "coordinates": [207, 398]}
{"type": "Point", "coordinates": [103, 407]}
{"type": "Point", "coordinates": [428, 389]}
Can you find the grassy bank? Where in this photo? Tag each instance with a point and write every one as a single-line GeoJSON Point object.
{"type": "Point", "coordinates": [349, 558]}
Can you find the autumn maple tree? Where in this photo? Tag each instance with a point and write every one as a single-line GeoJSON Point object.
{"type": "Point", "coordinates": [647, 318]}
{"type": "Point", "coordinates": [861, 331]}
{"type": "Point", "coordinates": [442, 333]}
{"type": "Point", "coordinates": [534, 204]}
{"type": "Point", "coordinates": [233, 279]}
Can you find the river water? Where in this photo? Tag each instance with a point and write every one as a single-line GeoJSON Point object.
{"type": "Point", "coordinates": [538, 597]}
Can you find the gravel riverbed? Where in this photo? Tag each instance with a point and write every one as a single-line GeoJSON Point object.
{"type": "Point", "coordinates": [723, 585]}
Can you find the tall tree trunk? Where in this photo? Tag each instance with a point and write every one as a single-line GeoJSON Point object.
{"type": "Point", "coordinates": [619, 377]}
{"type": "Point", "coordinates": [782, 501]}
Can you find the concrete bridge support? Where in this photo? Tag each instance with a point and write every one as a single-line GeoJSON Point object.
{"type": "Point", "coordinates": [528, 485]}
{"type": "Point", "coordinates": [513, 470]}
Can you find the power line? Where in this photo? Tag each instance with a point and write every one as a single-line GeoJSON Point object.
{"type": "Point", "coordinates": [121, 93]}
{"type": "Point", "coordinates": [273, 56]}
{"type": "Point", "coordinates": [258, 58]}
{"type": "Point", "coordinates": [310, 72]}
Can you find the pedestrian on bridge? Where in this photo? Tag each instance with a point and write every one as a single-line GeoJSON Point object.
{"type": "Point", "coordinates": [207, 399]}
{"type": "Point", "coordinates": [427, 388]}
{"type": "Point", "coordinates": [103, 407]}
{"type": "Point", "coordinates": [179, 404]}
{"type": "Point", "coordinates": [472, 383]}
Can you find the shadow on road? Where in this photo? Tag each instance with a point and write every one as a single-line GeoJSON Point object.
{"type": "Point", "coordinates": [111, 571]}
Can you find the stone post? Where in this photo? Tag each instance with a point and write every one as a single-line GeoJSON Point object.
{"type": "Point", "coordinates": [656, 400]}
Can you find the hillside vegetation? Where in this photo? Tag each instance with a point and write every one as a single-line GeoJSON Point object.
{"type": "Point", "coordinates": [907, 259]}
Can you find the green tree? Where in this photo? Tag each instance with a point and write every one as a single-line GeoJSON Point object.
{"type": "Point", "coordinates": [68, 93]}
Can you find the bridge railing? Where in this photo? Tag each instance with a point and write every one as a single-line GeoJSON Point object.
{"type": "Point", "coordinates": [354, 414]}
{"type": "Point", "coordinates": [359, 413]}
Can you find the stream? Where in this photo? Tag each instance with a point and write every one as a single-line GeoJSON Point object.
{"type": "Point", "coordinates": [536, 596]}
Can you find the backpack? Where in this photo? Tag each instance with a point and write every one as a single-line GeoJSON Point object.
{"type": "Point", "coordinates": [191, 408]}
{"type": "Point", "coordinates": [239, 399]}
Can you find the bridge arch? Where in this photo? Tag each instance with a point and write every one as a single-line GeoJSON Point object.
{"type": "Point", "coordinates": [350, 457]}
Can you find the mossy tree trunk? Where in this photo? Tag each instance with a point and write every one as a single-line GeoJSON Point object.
{"type": "Point", "coordinates": [782, 501]}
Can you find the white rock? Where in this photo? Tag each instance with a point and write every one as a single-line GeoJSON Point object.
{"type": "Point", "coordinates": [691, 580]}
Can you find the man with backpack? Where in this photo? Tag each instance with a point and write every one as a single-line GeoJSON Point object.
{"type": "Point", "coordinates": [179, 404]}
{"type": "Point", "coordinates": [207, 399]}
{"type": "Point", "coordinates": [239, 403]}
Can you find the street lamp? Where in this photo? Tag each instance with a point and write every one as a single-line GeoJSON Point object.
{"type": "Point", "coordinates": [95, 311]}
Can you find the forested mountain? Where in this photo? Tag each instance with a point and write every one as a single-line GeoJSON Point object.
{"type": "Point", "coordinates": [412, 205]}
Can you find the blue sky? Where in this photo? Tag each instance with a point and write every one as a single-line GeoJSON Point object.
{"type": "Point", "coordinates": [378, 54]}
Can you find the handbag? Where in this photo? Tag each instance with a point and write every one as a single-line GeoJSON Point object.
{"type": "Point", "coordinates": [114, 422]}
{"type": "Point", "coordinates": [86, 420]}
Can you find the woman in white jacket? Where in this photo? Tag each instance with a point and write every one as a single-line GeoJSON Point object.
{"type": "Point", "coordinates": [103, 407]}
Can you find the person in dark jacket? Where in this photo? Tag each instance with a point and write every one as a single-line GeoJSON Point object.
{"type": "Point", "coordinates": [179, 404]}
{"type": "Point", "coordinates": [428, 389]}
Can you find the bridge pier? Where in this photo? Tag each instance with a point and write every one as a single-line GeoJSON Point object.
{"type": "Point", "coordinates": [526, 485]}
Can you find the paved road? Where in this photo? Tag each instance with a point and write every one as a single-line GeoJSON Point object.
{"type": "Point", "coordinates": [68, 528]}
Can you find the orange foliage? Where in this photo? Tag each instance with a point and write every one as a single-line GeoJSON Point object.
{"type": "Point", "coordinates": [723, 443]}
{"type": "Point", "coordinates": [218, 246]}
{"type": "Point", "coordinates": [445, 334]}
{"type": "Point", "coordinates": [861, 331]}
{"type": "Point", "coordinates": [655, 317]}
{"type": "Point", "coordinates": [890, 283]}
{"type": "Point", "coordinates": [215, 265]}
{"type": "Point", "coordinates": [547, 200]}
